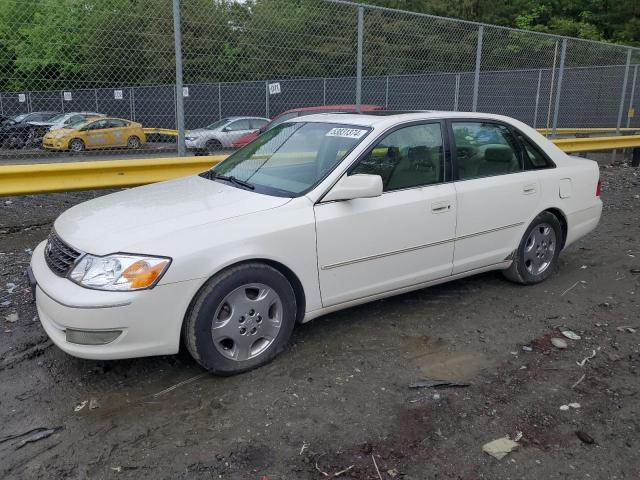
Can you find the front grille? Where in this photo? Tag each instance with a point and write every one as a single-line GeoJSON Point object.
{"type": "Point", "coordinates": [59, 256]}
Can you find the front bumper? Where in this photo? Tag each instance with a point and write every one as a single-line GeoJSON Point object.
{"type": "Point", "coordinates": [150, 320]}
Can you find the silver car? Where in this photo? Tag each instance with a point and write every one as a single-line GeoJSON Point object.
{"type": "Point", "coordinates": [223, 133]}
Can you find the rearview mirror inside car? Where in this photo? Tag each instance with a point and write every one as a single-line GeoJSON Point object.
{"type": "Point", "coordinates": [350, 187]}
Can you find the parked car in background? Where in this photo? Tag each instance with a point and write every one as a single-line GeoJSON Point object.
{"type": "Point", "coordinates": [222, 134]}
{"type": "Point", "coordinates": [17, 131]}
{"type": "Point", "coordinates": [64, 119]}
{"type": "Point", "coordinates": [300, 112]}
{"type": "Point", "coordinates": [316, 215]}
{"type": "Point", "coordinates": [95, 133]}
{"type": "Point", "coordinates": [60, 121]}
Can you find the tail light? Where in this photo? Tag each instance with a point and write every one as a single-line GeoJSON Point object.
{"type": "Point", "coordinates": [598, 188]}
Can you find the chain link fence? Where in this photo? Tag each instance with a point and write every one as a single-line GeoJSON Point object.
{"type": "Point", "coordinates": [194, 63]}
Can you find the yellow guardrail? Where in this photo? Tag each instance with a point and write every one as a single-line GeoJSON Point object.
{"type": "Point", "coordinates": [578, 131]}
{"type": "Point", "coordinates": [593, 144]}
{"type": "Point", "coordinates": [68, 176]}
{"type": "Point", "coordinates": [161, 131]}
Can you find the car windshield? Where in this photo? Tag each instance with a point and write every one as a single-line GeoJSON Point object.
{"type": "Point", "coordinates": [292, 158]}
{"type": "Point", "coordinates": [58, 118]}
{"type": "Point", "coordinates": [218, 124]}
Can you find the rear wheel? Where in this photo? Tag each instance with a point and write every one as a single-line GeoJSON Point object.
{"type": "Point", "coordinates": [537, 255]}
{"type": "Point", "coordinates": [241, 319]}
{"type": "Point", "coordinates": [76, 145]}
{"type": "Point", "coordinates": [133, 142]}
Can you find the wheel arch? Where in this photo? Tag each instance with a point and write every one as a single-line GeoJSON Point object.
{"type": "Point", "coordinates": [289, 274]}
{"type": "Point", "coordinates": [562, 218]}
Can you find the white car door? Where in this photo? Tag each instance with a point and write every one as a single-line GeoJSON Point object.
{"type": "Point", "coordinates": [495, 196]}
{"type": "Point", "coordinates": [402, 238]}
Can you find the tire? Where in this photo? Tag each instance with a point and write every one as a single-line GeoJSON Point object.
{"type": "Point", "coordinates": [76, 145]}
{"type": "Point", "coordinates": [241, 319]}
{"type": "Point", "coordinates": [537, 255]}
{"type": "Point", "coordinates": [213, 146]}
{"type": "Point", "coordinates": [133, 143]}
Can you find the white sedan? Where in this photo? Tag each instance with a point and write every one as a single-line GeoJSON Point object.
{"type": "Point", "coordinates": [318, 214]}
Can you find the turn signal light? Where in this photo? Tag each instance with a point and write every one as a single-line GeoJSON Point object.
{"type": "Point", "coordinates": [141, 274]}
{"type": "Point", "coordinates": [598, 188]}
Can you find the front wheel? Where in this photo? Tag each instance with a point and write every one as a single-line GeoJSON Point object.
{"type": "Point", "coordinates": [241, 319]}
{"type": "Point", "coordinates": [213, 146]}
{"type": "Point", "coordinates": [133, 142]}
{"type": "Point", "coordinates": [76, 145]}
{"type": "Point", "coordinates": [537, 255]}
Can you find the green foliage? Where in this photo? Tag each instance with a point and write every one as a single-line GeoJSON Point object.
{"type": "Point", "coordinates": [54, 44]}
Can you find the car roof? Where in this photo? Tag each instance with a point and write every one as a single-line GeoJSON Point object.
{"type": "Point", "coordinates": [365, 107]}
{"type": "Point", "coordinates": [386, 119]}
{"type": "Point", "coordinates": [243, 117]}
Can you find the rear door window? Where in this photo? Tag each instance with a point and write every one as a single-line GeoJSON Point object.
{"type": "Point", "coordinates": [484, 149]}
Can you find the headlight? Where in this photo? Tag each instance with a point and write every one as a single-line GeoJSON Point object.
{"type": "Point", "coordinates": [190, 138]}
{"type": "Point", "coordinates": [119, 272]}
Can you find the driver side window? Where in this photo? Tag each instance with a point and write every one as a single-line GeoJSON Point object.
{"type": "Point", "coordinates": [238, 125]}
{"type": "Point", "coordinates": [406, 158]}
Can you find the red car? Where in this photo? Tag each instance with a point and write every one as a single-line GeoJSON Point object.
{"type": "Point", "coordinates": [300, 112]}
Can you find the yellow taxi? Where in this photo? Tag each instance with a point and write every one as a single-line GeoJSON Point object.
{"type": "Point", "coordinates": [96, 133]}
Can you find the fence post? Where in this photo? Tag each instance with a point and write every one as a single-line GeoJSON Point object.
{"type": "Point", "coordinates": [386, 92]}
{"type": "Point", "coordinates": [95, 94]}
{"type": "Point", "coordinates": [633, 93]}
{"type": "Point", "coordinates": [266, 99]}
{"type": "Point", "coordinates": [476, 78]}
{"type": "Point", "coordinates": [624, 91]}
{"type": "Point", "coordinates": [456, 95]}
{"type": "Point", "coordinates": [556, 110]}
{"type": "Point", "coordinates": [324, 90]}
{"type": "Point", "coordinates": [219, 101]}
{"type": "Point", "coordinates": [359, 59]}
{"type": "Point", "coordinates": [132, 103]}
{"type": "Point", "coordinates": [177, 38]}
{"type": "Point", "coordinates": [535, 110]}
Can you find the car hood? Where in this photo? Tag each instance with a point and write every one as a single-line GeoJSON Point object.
{"type": "Point", "coordinates": [123, 221]}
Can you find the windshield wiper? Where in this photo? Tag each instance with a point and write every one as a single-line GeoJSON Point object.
{"type": "Point", "coordinates": [211, 175]}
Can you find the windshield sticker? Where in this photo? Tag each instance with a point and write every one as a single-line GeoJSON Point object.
{"type": "Point", "coordinates": [346, 132]}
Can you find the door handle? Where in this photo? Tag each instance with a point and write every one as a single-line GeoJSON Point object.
{"type": "Point", "coordinates": [529, 189]}
{"type": "Point", "coordinates": [440, 207]}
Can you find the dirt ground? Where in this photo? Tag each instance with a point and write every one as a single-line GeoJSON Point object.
{"type": "Point", "coordinates": [337, 399]}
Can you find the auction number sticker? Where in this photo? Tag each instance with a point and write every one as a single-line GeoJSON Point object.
{"type": "Point", "coordinates": [346, 132]}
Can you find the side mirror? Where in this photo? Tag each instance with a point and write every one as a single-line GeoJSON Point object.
{"type": "Point", "coordinates": [226, 129]}
{"type": "Point", "coordinates": [350, 187]}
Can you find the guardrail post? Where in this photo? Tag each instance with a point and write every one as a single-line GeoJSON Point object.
{"type": "Point", "coordinates": [624, 90]}
{"type": "Point", "coordinates": [556, 110]}
{"type": "Point", "coordinates": [476, 78]}
{"type": "Point", "coordinates": [177, 38]}
{"type": "Point", "coordinates": [359, 59]}
{"type": "Point", "coordinates": [635, 158]}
